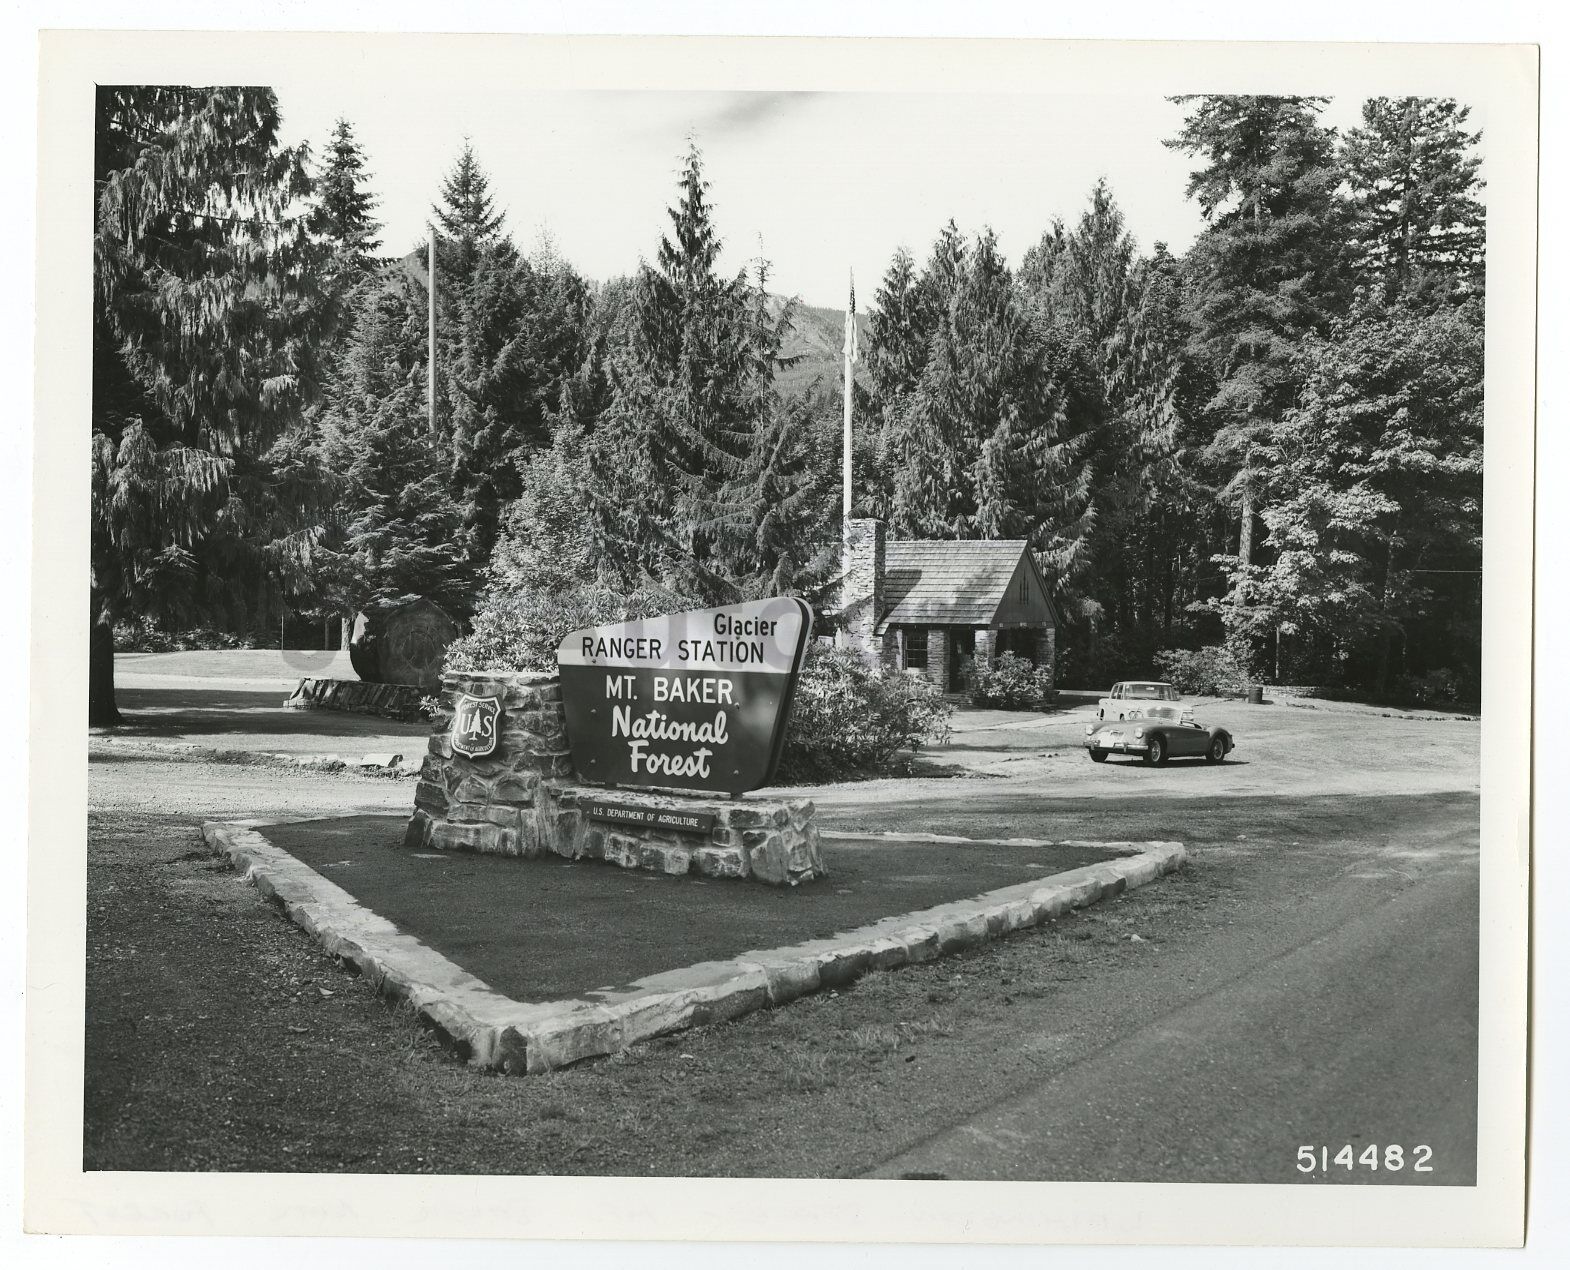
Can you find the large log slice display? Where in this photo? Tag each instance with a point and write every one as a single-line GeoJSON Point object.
{"type": "Point", "coordinates": [402, 644]}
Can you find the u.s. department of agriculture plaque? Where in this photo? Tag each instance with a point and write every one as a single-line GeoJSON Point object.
{"type": "Point", "coordinates": [695, 700]}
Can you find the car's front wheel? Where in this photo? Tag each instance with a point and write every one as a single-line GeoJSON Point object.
{"type": "Point", "coordinates": [1217, 750]}
{"type": "Point", "coordinates": [1098, 756]}
{"type": "Point", "coordinates": [1156, 750]}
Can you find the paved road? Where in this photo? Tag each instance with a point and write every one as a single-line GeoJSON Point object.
{"type": "Point", "coordinates": [1345, 1018]}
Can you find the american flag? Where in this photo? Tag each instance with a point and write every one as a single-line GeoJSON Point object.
{"type": "Point", "coordinates": [852, 350]}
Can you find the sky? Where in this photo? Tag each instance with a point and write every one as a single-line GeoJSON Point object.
{"type": "Point", "coordinates": [818, 184]}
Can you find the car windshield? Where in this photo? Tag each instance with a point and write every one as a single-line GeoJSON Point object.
{"type": "Point", "coordinates": [1150, 692]}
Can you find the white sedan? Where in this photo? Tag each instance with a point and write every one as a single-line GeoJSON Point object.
{"type": "Point", "coordinates": [1129, 700]}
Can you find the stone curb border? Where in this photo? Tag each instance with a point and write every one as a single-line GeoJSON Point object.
{"type": "Point", "coordinates": [391, 765]}
{"type": "Point", "coordinates": [494, 1031]}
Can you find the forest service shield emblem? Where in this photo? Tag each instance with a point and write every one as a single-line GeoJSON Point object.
{"type": "Point", "coordinates": [476, 725]}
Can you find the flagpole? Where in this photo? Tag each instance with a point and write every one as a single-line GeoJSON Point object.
{"type": "Point", "coordinates": [850, 353]}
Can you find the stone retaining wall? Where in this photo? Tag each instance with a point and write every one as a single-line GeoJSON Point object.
{"type": "Point", "coordinates": [390, 701]}
{"type": "Point", "coordinates": [524, 800]}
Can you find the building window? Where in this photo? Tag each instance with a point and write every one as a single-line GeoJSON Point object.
{"type": "Point", "coordinates": [1024, 588]}
{"type": "Point", "coordinates": [915, 648]}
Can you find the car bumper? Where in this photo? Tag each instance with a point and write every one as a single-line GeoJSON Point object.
{"type": "Point", "coordinates": [1116, 747]}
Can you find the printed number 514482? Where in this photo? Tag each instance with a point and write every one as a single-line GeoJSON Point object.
{"type": "Point", "coordinates": [1390, 1159]}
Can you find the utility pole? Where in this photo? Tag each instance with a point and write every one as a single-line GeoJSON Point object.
{"type": "Point", "coordinates": [430, 367]}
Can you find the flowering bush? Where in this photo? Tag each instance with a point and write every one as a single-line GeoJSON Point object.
{"type": "Point", "coordinates": [1011, 683]}
{"type": "Point", "coordinates": [849, 720]}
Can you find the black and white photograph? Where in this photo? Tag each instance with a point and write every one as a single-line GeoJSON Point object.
{"type": "Point", "coordinates": [661, 610]}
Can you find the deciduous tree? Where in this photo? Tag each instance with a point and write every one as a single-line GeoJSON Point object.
{"type": "Point", "coordinates": [1268, 271]}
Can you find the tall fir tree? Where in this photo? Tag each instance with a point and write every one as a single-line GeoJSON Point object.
{"type": "Point", "coordinates": [509, 336]}
{"type": "Point", "coordinates": [895, 354]}
{"type": "Point", "coordinates": [400, 525]}
{"type": "Point", "coordinates": [207, 314]}
{"type": "Point", "coordinates": [697, 459]}
{"type": "Point", "coordinates": [345, 205]}
{"type": "Point", "coordinates": [988, 448]}
{"type": "Point", "coordinates": [1119, 317]}
{"type": "Point", "coordinates": [1412, 173]}
{"type": "Point", "coordinates": [379, 545]}
{"type": "Point", "coordinates": [467, 216]}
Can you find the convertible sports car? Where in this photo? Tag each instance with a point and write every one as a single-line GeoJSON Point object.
{"type": "Point", "coordinates": [1161, 731]}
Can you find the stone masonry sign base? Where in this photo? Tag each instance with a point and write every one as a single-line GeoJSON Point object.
{"type": "Point", "coordinates": [496, 1032]}
{"type": "Point", "coordinates": [524, 800]}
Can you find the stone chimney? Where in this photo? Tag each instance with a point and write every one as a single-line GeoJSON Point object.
{"type": "Point", "coordinates": [861, 591]}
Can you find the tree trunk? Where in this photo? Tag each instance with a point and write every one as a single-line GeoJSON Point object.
{"type": "Point", "coordinates": [1386, 626]}
{"type": "Point", "coordinates": [101, 709]}
{"type": "Point", "coordinates": [1245, 533]}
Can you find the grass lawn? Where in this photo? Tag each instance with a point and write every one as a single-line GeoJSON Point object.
{"type": "Point", "coordinates": [233, 699]}
{"type": "Point", "coordinates": [541, 930]}
{"type": "Point", "coordinates": [269, 665]}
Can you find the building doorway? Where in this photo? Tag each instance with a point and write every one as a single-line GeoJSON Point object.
{"type": "Point", "coordinates": [962, 647]}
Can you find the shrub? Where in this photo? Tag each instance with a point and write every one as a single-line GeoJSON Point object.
{"type": "Point", "coordinates": [1012, 683]}
{"type": "Point", "coordinates": [1212, 671]}
{"type": "Point", "coordinates": [521, 629]}
{"type": "Point", "coordinates": [849, 720]}
{"type": "Point", "coordinates": [1440, 687]}
{"type": "Point", "coordinates": [1086, 662]}
{"type": "Point", "coordinates": [147, 635]}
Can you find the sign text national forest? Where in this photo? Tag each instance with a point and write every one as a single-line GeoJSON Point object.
{"type": "Point", "coordinates": [694, 700]}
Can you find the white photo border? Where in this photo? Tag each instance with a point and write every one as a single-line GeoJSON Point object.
{"type": "Point", "coordinates": [1500, 82]}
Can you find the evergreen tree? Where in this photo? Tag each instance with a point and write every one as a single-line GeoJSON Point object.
{"type": "Point", "coordinates": [1155, 513]}
{"type": "Point", "coordinates": [990, 447]}
{"type": "Point", "coordinates": [692, 433]}
{"type": "Point", "coordinates": [1413, 179]}
{"type": "Point", "coordinates": [512, 337]}
{"type": "Point", "coordinates": [907, 312]}
{"type": "Point", "coordinates": [509, 335]}
{"type": "Point", "coordinates": [345, 206]}
{"type": "Point", "coordinates": [1120, 318]}
{"type": "Point", "coordinates": [401, 526]}
{"type": "Point", "coordinates": [206, 317]}
{"type": "Point", "coordinates": [942, 277]}
{"type": "Point", "coordinates": [1040, 263]}
{"type": "Point", "coordinates": [1268, 271]}
{"type": "Point", "coordinates": [1081, 279]}
{"type": "Point", "coordinates": [895, 354]}
{"type": "Point", "coordinates": [467, 216]}
{"type": "Point", "coordinates": [366, 441]}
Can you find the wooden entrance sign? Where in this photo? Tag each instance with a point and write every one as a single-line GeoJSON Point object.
{"type": "Point", "coordinates": [695, 701]}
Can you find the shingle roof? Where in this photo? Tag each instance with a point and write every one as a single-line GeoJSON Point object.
{"type": "Point", "coordinates": [957, 583]}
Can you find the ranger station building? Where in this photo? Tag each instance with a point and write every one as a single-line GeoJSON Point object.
{"type": "Point", "coordinates": [928, 607]}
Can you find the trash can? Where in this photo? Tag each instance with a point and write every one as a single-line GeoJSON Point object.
{"type": "Point", "coordinates": [1256, 694]}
